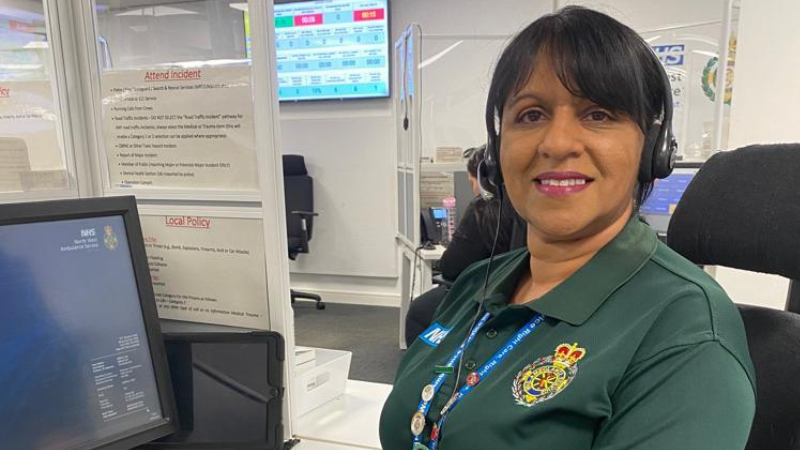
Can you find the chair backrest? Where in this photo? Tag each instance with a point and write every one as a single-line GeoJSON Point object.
{"type": "Point", "coordinates": [741, 210]}
{"type": "Point", "coordinates": [298, 194]}
{"type": "Point", "coordinates": [774, 340]}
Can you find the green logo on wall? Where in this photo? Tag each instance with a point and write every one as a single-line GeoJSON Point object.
{"type": "Point", "coordinates": [709, 80]}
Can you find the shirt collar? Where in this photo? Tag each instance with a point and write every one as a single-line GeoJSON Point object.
{"type": "Point", "coordinates": [579, 296]}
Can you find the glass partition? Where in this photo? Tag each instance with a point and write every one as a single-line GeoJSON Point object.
{"type": "Point", "coordinates": [177, 104]}
{"type": "Point", "coordinates": [32, 152]}
{"type": "Point", "coordinates": [691, 56]}
{"type": "Point", "coordinates": [456, 74]}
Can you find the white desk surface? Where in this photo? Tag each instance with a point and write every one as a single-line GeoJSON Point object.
{"type": "Point", "coordinates": [309, 444]}
{"type": "Point", "coordinates": [350, 421]}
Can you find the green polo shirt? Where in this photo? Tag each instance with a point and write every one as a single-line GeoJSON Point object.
{"type": "Point", "coordinates": [655, 358]}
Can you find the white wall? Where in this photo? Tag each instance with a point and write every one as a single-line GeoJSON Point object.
{"type": "Point", "coordinates": [467, 17]}
{"type": "Point", "coordinates": [764, 111]}
{"type": "Point", "coordinates": [349, 151]}
{"type": "Point", "coordinates": [642, 15]}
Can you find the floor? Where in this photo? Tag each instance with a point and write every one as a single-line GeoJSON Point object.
{"type": "Point", "coordinates": [348, 422]}
{"type": "Point", "coordinates": [370, 332]}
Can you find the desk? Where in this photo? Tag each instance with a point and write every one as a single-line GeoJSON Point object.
{"type": "Point", "coordinates": [350, 421]}
{"type": "Point", "coordinates": [420, 276]}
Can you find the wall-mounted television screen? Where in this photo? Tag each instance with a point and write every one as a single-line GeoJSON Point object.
{"type": "Point", "coordinates": [332, 49]}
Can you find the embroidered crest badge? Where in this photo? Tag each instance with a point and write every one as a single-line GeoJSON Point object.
{"type": "Point", "coordinates": [547, 376]}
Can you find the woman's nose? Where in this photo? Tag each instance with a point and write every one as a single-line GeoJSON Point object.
{"type": "Point", "coordinates": [561, 139]}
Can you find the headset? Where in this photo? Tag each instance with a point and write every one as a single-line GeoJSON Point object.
{"type": "Point", "coordinates": [659, 151]}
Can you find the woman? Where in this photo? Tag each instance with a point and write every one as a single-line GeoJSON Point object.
{"type": "Point", "coordinates": [472, 242]}
{"type": "Point", "coordinates": [595, 336]}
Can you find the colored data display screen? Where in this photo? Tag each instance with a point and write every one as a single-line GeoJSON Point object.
{"type": "Point", "coordinates": [658, 208]}
{"type": "Point", "coordinates": [332, 49]}
{"type": "Point", "coordinates": [666, 194]}
{"type": "Point", "coordinates": [439, 213]}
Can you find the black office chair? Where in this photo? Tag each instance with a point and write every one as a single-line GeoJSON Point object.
{"type": "Point", "coordinates": [742, 210]}
{"type": "Point", "coordinates": [299, 195]}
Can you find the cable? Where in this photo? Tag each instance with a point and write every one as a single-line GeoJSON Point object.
{"type": "Point", "coordinates": [485, 287]}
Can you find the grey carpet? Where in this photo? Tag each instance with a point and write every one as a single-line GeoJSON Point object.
{"type": "Point", "coordinates": [370, 332]}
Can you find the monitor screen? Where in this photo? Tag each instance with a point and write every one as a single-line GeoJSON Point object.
{"type": "Point", "coordinates": [439, 213]}
{"type": "Point", "coordinates": [76, 361]}
{"type": "Point", "coordinates": [658, 208]}
{"type": "Point", "coordinates": [332, 49]}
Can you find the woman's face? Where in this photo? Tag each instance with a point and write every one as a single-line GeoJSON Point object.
{"type": "Point", "coordinates": [569, 165]}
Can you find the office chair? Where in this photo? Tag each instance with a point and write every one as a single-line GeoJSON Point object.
{"type": "Point", "coordinates": [299, 197]}
{"type": "Point", "coordinates": [742, 210]}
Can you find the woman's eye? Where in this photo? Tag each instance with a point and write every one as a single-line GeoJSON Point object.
{"type": "Point", "coordinates": [530, 116]}
{"type": "Point", "coordinates": [599, 116]}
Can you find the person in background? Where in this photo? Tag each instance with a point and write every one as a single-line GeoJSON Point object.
{"type": "Point", "coordinates": [472, 242]}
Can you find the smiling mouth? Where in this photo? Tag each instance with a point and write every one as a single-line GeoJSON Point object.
{"type": "Point", "coordinates": [567, 182]}
{"type": "Point", "coordinates": [561, 184]}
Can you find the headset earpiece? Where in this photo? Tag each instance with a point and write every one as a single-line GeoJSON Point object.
{"type": "Point", "coordinates": [650, 142]}
{"type": "Point", "coordinates": [665, 157]}
{"type": "Point", "coordinates": [494, 176]}
{"type": "Point", "coordinates": [660, 147]}
{"type": "Point", "coordinates": [487, 190]}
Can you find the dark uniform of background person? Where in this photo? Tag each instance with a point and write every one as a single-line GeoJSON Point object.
{"type": "Point", "coordinates": [638, 348]}
{"type": "Point", "coordinates": [472, 242]}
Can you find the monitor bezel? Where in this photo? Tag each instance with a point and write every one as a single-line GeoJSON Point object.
{"type": "Point", "coordinates": [390, 67]}
{"type": "Point", "coordinates": [125, 207]}
{"type": "Point", "coordinates": [688, 164]}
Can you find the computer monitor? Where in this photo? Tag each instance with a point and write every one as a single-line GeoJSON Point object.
{"type": "Point", "coordinates": [658, 208]}
{"type": "Point", "coordinates": [82, 361]}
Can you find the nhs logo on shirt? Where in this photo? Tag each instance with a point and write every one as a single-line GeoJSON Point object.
{"type": "Point", "coordinates": [434, 335]}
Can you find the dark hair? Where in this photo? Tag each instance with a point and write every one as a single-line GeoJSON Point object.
{"type": "Point", "coordinates": [487, 213]}
{"type": "Point", "coordinates": [595, 57]}
{"type": "Point", "coordinates": [475, 157]}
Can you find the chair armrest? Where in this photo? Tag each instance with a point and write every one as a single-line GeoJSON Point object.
{"type": "Point", "coordinates": [304, 217]}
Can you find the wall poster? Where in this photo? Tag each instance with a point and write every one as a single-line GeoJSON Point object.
{"type": "Point", "coordinates": [180, 128]}
{"type": "Point", "coordinates": [207, 269]}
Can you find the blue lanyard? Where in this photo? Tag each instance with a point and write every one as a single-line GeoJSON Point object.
{"type": "Point", "coordinates": [424, 406]}
{"type": "Point", "coordinates": [494, 361]}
